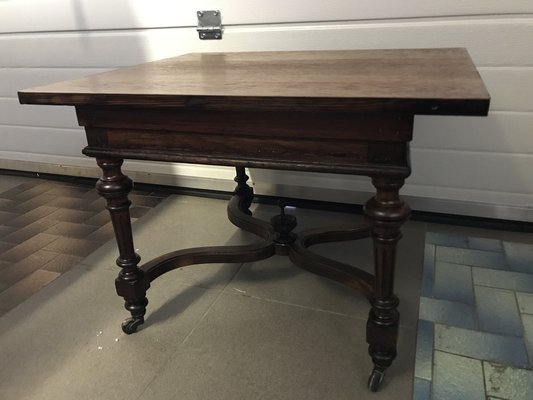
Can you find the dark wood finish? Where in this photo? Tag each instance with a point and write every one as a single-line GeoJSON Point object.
{"type": "Point", "coordinates": [344, 112]}
{"type": "Point", "coordinates": [413, 81]}
{"type": "Point", "coordinates": [131, 282]}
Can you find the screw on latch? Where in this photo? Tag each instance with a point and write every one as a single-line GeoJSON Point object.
{"type": "Point", "coordinates": [200, 14]}
{"type": "Point", "coordinates": [202, 35]}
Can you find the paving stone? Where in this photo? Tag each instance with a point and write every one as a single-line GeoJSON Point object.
{"type": "Point", "coordinates": [448, 312]}
{"type": "Point", "coordinates": [71, 229]}
{"type": "Point", "coordinates": [453, 282]}
{"type": "Point", "coordinates": [68, 191]}
{"type": "Point", "coordinates": [457, 378]}
{"type": "Point", "coordinates": [67, 215]}
{"type": "Point", "coordinates": [487, 259]}
{"type": "Point", "coordinates": [31, 216]}
{"type": "Point", "coordinates": [486, 244]}
{"type": "Point", "coordinates": [428, 273]}
{"type": "Point", "coordinates": [72, 246]}
{"type": "Point", "coordinates": [99, 219]}
{"type": "Point", "coordinates": [5, 231]}
{"type": "Point", "coordinates": [5, 247]}
{"type": "Point", "coordinates": [504, 349]}
{"type": "Point", "coordinates": [7, 204]}
{"type": "Point", "coordinates": [507, 382]}
{"type": "Point", "coordinates": [61, 262]}
{"type": "Point", "coordinates": [28, 247]}
{"type": "Point", "coordinates": [498, 311]}
{"type": "Point", "coordinates": [446, 239]}
{"type": "Point", "coordinates": [421, 389]}
{"type": "Point", "coordinates": [33, 203]}
{"type": "Point", "coordinates": [519, 256]}
{"type": "Point", "coordinates": [18, 236]}
{"type": "Point", "coordinates": [503, 279]}
{"type": "Point", "coordinates": [74, 203]}
{"type": "Point", "coordinates": [525, 302]}
{"type": "Point", "coordinates": [6, 216]}
{"type": "Point", "coordinates": [527, 321]}
{"type": "Point", "coordinates": [25, 288]}
{"type": "Point", "coordinates": [424, 350]}
{"type": "Point", "coordinates": [14, 272]}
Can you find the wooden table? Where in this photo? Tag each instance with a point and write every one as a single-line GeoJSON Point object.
{"type": "Point", "coordinates": [344, 112]}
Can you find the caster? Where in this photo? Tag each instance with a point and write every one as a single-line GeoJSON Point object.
{"type": "Point", "coordinates": [375, 379]}
{"type": "Point", "coordinates": [130, 325]}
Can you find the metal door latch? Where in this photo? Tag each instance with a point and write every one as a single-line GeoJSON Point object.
{"type": "Point", "coordinates": [209, 25]}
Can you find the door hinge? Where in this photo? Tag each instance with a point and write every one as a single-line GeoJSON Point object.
{"type": "Point", "coordinates": [209, 25]}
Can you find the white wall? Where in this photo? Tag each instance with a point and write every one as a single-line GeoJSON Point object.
{"type": "Point", "coordinates": [465, 165]}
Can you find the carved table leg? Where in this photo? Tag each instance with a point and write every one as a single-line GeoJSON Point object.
{"type": "Point", "coordinates": [245, 192]}
{"type": "Point", "coordinates": [131, 283]}
{"type": "Point", "coordinates": [386, 212]}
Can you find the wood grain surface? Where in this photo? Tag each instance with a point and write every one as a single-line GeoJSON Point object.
{"type": "Point", "coordinates": [425, 81]}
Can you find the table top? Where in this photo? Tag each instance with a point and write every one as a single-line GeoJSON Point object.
{"type": "Point", "coordinates": [417, 81]}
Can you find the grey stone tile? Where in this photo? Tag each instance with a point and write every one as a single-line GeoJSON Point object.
{"type": "Point", "coordinates": [453, 282]}
{"type": "Point", "coordinates": [247, 348]}
{"type": "Point", "coordinates": [446, 239]}
{"type": "Point", "coordinates": [25, 288]}
{"type": "Point", "coordinates": [424, 350]}
{"type": "Point", "coordinates": [502, 349]}
{"type": "Point", "coordinates": [421, 389]}
{"type": "Point", "coordinates": [428, 273]}
{"type": "Point", "coordinates": [487, 259]}
{"type": "Point", "coordinates": [507, 382]}
{"type": "Point", "coordinates": [73, 325]}
{"type": "Point", "coordinates": [525, 302]}
{"type": "Point", "coordinates": [486, 244]}
{"type": "Point", "coordinates": [519, 256]}
{"type": "Point", "coordinates": [498, 311]}
{"type": "Point", "coordinates": [527, 321]}
{"type": "Point", "coordinates": [503, 279]}
{"type": "Point", "coordinates": [457, 378]}
{"type": "Point", "coordinates": [448, 312]}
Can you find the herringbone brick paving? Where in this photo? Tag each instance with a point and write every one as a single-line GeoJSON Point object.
{"type": "Point", "coordinates": [48, 227]}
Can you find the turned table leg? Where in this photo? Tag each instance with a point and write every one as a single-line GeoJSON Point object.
{"type": "Point", "coordinates": [386, 212]}
{"type": "Point", "coordinates": [131, 283]}
{"type": "Point", "coordinates": [245, 192]}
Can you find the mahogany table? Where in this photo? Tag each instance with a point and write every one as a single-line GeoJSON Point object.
{"type": "Point", "coordinates": [343, 112]}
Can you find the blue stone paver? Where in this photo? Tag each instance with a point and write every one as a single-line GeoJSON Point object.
{"type": "Point", "coordinates": [494, 331]}
{"type": "Point", "coordinates": [453, 282]}
{"type": "Point", "coordinates": [479, 258]}
{"type": "Point", "coordinates": [508, 383]}
{"type": "Point", "coordinates": [457, 378]}
{"type": "Point", "coordinates": [498, 311]}
{"type": "Point", "coordinates": [503, 279]}
{"type": "Point", "coordinates": [525, 302]}
{"type": "Point", "coordinates": [448, 312]}
{"type": "Point", "coordinates": [519, 256]}
{"type": "Point", "coordinates": [527, 321]}
{"type": "Point", "coordinates": [485, 244]}
{"type": "Point", "coordinates": [445, 239]}
{"type": "Point", "coordinates": [509, 350]}
{"type": "Point", "coordinates": [421, 389]}
{"type": "Point", "coordinates": [424, 350]}
{"type": "Point", "coordinates": [428, 273]}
